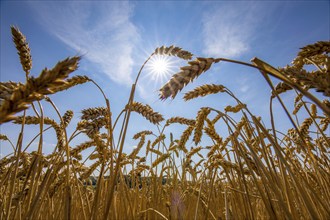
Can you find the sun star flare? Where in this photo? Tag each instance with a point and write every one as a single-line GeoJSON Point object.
{"type": "Point", "coordinates": [160, 68]}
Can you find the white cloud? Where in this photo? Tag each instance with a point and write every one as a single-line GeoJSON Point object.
{"type": "Point", "coordinates": [102, 31]}
{"type": "Point", "coordinates": [227, 29]}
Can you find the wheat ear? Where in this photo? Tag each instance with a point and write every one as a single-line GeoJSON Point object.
{"type": "Point", "coordinates": [139, 134]}
{"type": "Point", "coordinates": [146, 111]}
{"type": "Point", "coordinates": [67, 118]}
{"type": "Point", "coordinates": [319, 47]}
{"type": "Point", "coordinates": [7, 88]}
{"type": "Point", "coordinates": [93, 113]}
{"type": "Point", "coordinates": [3, 137]}
{"type": "Point", "coordinates": [173, 51]}
{"type": "Point", "coordinates": [203, 91]}
{"type": "Point", "coordinates": [23, 49]}
{"type": "Point", "coordinates": [201, 116]}
{"type": "Point", "coordinates": [180, 120]}
{"type": "Point", "coordinates": [71, 82]}
{"type": "Point", "coordinates": [160, 159]}
{"type": "Point", "coordinates": [186, 75]}
{"type": "Point", "coordinates": [236, 108]}
{"type": "Point", "coordinates": [184, 138]}
{"type": "Point", "coordinates": [138, 148]}
{"type": "Point", "coordinates": [36, 88]}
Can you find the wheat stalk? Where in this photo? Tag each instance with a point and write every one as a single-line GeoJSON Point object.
{"type": "Point", "coordinates": [37, 186]}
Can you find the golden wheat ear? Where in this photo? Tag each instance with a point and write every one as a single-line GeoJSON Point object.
{"type": "Point", "coordinates": [146, 111]}
{"type": "Point", "coordinates": [73, 81]}
{"type": "Point", "coordinates": [173, 51]}
{"type": "Point", "coordinates": [200, 119]}
{"type": "Point", "coordinates": [180, 120]}
{"type": "Point", "coordinates": [185, 76]}
{"type": "Point", "coordinates": [142, 133]}
{"type": "Point", "coordinates": [316, 50]}
{"type": "Point", "coordinates": [23, 49]}
{"type": "Point", "coordinates": [93, 113]}
{"type": "Point", "coordinates": [68, 115]}
{"type": "Point", "coordinates": [3, 137]}
{"type": "Point", "coordinates": [203, 90]}
{"type": "Point", "coordinates": [184, 138]}
{"type": "Point", "coordinates": [7, 88]}
{"type": "Point", "coordinates": [319, 47]}
{"type": "Point", "coordinates": [36, 88]}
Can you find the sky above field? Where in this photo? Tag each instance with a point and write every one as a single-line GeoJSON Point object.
{"type": "Point", "coordinates": [115, 38]}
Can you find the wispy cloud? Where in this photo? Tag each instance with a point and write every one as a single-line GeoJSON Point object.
{"type": "Point", "coordinates": [228, 28]}
{"type": "Point", "coordinates": [102, 31]}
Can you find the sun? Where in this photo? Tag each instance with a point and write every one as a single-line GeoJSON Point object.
{"type": "Point", "coordinates": [159, 68]}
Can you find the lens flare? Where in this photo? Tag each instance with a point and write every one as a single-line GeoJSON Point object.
{"type": "Point", "coordinates": [160, 68]}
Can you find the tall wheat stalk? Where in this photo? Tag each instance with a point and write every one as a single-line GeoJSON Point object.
{"type": "Point", "coordinates": [218, 168]}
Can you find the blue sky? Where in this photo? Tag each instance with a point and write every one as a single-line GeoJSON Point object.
{"type": "Point", "coordinates": [116, 37]}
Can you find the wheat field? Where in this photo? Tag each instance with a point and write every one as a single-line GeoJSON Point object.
{"type": "Point", "coordinates": [252, 172]}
